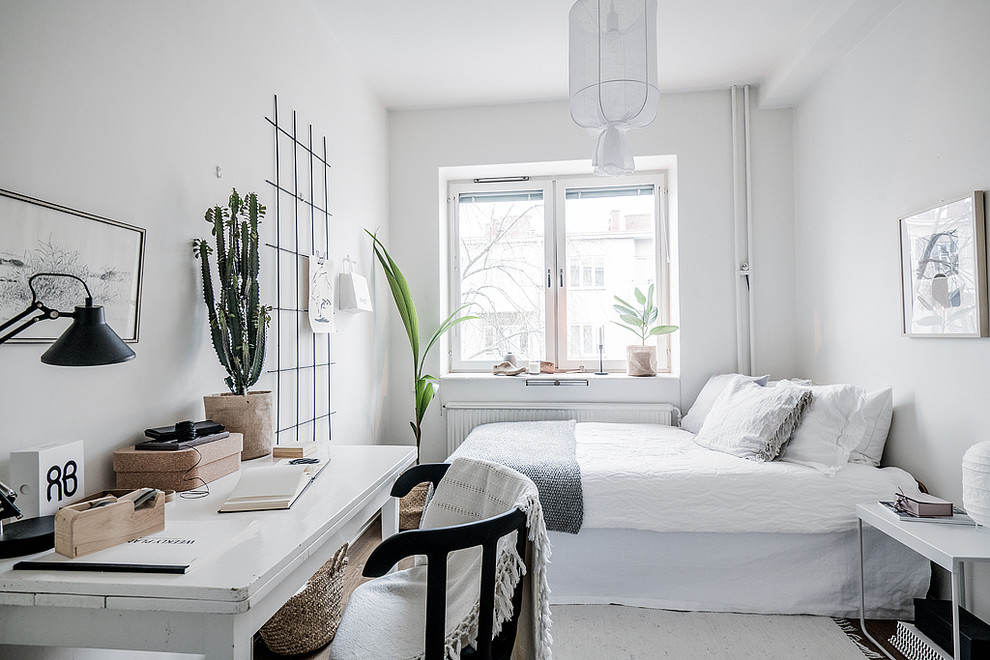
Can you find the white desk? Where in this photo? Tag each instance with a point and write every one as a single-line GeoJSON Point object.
{"type": "Point", "coordinates": [217, 606]}
{"type": "Point", "coordinates": [949, 546]}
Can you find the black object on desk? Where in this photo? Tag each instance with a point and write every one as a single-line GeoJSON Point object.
{"type": "Point", "coordinates": [205, 427]}
{"type": "Point", "coordinates": [175, 444]}
{"type": "Point", "coordinates": [24, 537]}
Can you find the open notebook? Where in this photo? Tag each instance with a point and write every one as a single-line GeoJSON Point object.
{"type": "Point", "coordinates": [272, 487]}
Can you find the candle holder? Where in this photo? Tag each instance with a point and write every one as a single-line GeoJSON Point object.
{"type": "Point", "coordinates": [601, 361]}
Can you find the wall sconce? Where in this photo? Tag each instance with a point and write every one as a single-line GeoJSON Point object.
{"type": "Point", "coordinates": [89, 341]}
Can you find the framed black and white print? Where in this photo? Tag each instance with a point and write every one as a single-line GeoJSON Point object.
{"type": "Point", "coordinates": [943, 270]}
{"type": "Point", "coordinates": [42, 237]}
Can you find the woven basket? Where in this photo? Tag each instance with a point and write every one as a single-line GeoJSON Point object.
{"type": "Point", "coordinates": [411, 507]}
{"type": "Point", "coordinates": [310, 618]}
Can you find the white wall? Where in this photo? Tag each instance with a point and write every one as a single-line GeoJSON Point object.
{"type": "Point", "coordinates": [696, 128]}
{"type": "Point", "coordinates": [123, 109]}
{"type": "Point", "coordinates": [899, 125]}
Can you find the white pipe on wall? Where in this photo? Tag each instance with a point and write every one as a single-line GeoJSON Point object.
{"type": "Point", "coordinates": [749, 235]}
{"type": "Point", "coordinates": [742, 234]}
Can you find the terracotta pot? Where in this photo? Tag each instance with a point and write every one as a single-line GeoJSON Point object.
{"type": "Point", "coordinates": [250, 414]}
{"type": "Point", "coordinates": [641, 360]}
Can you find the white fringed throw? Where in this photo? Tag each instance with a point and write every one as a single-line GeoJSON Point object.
{"type": "Point", "coordinates": [385, 618]}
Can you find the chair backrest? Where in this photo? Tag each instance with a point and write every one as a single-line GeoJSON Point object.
{"type": "Point", "coordinates": [436, 544]}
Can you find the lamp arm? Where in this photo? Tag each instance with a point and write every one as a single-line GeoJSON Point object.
{"type": "Point", "coordinates": [34, 295]}
{"type": "Point", "coordinates": [7, 497]}
{"type": "Point", "coordinates": [46, 314]}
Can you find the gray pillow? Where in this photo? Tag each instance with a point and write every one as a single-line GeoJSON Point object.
{"type": "Point", "coordinates": [751, 421]}
{"type": "Point", "coordinates": [695, 417]}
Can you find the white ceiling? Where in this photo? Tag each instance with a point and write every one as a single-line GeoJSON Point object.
{"type": "Point", "coordinates": [434, 53]}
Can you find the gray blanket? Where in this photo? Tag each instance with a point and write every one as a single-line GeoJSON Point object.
{"type": "Point", "coordinates": [543, 451]}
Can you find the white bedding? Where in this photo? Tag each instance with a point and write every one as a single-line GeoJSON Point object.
{"type": "Point", "coordinates": [654, 477]}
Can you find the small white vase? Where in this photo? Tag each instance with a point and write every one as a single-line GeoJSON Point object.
{"type": "Point", "coordinates": [976, 482]}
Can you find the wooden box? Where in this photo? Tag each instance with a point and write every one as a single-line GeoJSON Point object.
{"type": "Point", "coordinates": [83, 528]}
{"type": "Point", "coordinates": [180, 470]}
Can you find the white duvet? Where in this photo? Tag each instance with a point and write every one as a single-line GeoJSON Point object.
{"type": "Point", "coordinates": [653, 477]}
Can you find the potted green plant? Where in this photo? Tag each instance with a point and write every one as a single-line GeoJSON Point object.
{"type": "Point", "coordinates": [641, 360]}
{"type": "Point", "coordinates": [238, 321]}
{"type": "Point", "coordinates": [410, 321]}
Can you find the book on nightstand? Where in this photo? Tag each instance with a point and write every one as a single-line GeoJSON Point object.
{"type": "Point", "coordinates": [958, 517]}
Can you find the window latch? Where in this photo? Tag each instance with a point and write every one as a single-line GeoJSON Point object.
{"type": "Point", "coordinates": [549, 282]}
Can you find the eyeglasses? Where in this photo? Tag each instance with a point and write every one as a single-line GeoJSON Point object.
{"type": "Point", "coordinates": [900, 501]}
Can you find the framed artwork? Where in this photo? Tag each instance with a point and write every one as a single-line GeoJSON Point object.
{"type": "Point", "coordinates": [41, 237]}
{"type": "Point", "coordinates": [943, 270]}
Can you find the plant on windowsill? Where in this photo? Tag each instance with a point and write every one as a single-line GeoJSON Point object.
{"type": "Point", "coordinates": [238, 321]}
{"type": "Point", "coordinates": [641, 360]}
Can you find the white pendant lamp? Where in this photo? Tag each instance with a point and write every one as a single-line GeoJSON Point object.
{"type": "Point", "coordinates": [613, 75]}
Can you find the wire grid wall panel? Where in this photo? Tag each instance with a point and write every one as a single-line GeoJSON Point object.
{"type": "Point", "coordinates": [301, 358]}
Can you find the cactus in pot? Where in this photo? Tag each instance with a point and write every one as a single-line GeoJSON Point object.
{"type": "Point", "coordinates": [238, 320]}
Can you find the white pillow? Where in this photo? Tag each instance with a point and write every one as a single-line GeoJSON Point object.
{"type": "Point", "coordinates": [877, 408]}
{"type": "Point", "coordinates": [831, 427]}
{"type": "Point", "coordinates": [695, 418]}
{"type": "Point", "coordinates": [752, 421]}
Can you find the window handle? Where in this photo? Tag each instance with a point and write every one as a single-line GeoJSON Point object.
{"type": "Point", "coordinates": [549, 281]}
{"type": "Point", "coordinates": [561, 278]}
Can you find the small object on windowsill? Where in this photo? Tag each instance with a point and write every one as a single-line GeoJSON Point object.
{"type": "Point", "coordinates": [601, 356]}
{"type": "Point", "coordinates": [506, 368]}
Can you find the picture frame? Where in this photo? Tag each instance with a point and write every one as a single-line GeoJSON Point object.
{"type": "Point", "coordinates": [943, 269]}
{"type": "Point", "coordinates": [41, 237]}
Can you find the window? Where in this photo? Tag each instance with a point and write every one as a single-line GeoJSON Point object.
{"type": "Point", "coordinates": [541, 260]}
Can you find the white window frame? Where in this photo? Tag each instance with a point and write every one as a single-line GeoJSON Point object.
{"type": "Point", "coordinates": [554, 190]}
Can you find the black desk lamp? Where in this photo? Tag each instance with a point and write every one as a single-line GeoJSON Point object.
{"type": "Point", "coordinates": [89, 341]}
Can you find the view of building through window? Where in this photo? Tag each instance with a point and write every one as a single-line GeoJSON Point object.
{"type": "Point", "coordinates": [540, 266]}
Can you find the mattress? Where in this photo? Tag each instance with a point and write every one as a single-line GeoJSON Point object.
{"type": "Point", "coordinates": [653, 477]}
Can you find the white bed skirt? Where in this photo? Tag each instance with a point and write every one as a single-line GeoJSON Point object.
{"type": "Point", "coordinates": [758, 573]}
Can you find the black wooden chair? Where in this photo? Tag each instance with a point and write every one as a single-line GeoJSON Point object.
{"type": "Point", "coordinates": [436, 544]}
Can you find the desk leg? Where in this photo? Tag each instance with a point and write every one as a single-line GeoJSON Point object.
{"type": "Point", "coordinates": [862, 593]}
{"type": "Point", "coordinates": [390, 517]}
{"type": "Point", "coordinates": [228, 638]}
{"type": "Point", "coordinates": [957, 580]}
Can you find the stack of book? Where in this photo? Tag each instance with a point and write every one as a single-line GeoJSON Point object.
{"type": "Point", "coordinates": [921, 507]}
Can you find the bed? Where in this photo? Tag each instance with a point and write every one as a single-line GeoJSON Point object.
{"type": "Point", "coordinates": [668, 522]}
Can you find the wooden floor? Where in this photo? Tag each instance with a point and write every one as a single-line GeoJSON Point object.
{"type": "Point", "coordinates": [359, 552]}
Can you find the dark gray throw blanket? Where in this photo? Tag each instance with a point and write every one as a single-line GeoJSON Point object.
{"type": "Point", "coordinates": [543, 451]}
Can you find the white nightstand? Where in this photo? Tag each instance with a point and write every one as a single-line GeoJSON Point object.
{"type": "Point", "coordinates": [949, 546]}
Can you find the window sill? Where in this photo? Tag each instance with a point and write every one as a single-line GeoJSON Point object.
{"type": "Point", "coordinates": [589, 376]}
